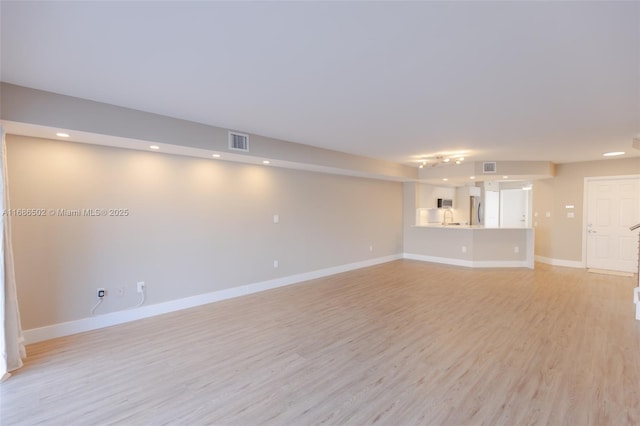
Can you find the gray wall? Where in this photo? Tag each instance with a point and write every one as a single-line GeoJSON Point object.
{"type": "Point", "coordinates": [195, 225]}
{"type": "Point", "coordinates": [559, 237]}
{"type": "Point", "coordinates": [25, 105]}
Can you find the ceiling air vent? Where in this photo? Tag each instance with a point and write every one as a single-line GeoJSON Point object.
{"type": "Point", "coordinates": [238, 141]}
{"type": "Point", "coordinates": [489, 167]}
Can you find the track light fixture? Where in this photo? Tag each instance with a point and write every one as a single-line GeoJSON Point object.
{"type": "Point", "coordinates": [440, 160]}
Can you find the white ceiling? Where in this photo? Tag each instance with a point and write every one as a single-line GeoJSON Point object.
{"type": "Point", "coordinates": [556, 81]}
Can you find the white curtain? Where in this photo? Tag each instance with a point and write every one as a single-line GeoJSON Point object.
{"type": "Point", "coordinates": [12, 349]}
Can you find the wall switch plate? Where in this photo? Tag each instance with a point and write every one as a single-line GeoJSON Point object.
{"type": "Point", "coordinates": [140, 286]}
{"type": "Point", "coordinates": [275, 264]}
{"type": "Point", "coordinates": [276, 218]}
{"type": "Point", "coordinates": [464, 249]}
{"type": "Point", "coordinates": [370, 248]}
{"type": "Point", "coordinates": [516, 249]}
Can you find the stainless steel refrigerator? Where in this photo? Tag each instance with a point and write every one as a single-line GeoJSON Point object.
{"type": "Point", "coordinates": [476, 214]}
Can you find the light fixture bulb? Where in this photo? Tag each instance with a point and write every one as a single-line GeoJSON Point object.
{"type": "Point", "coordinates": [216, 155]}
{"type": "Point", "coordinates": [154, 147]}
{"type": "Point", "coordinates": [62, 135]}
{"type": "Point", "coordinates": [613, 154]}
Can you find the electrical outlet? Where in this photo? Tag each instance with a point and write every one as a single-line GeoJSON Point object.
{"type": "Point", "coordinates": [101, 293]}
{"type": "Point", "coordinates": [140, 287]}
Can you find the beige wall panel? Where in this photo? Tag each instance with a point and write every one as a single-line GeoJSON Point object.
{"type": "Point", "coordinates": [559, 237]}
{"type": "Point", "coordinates": [195, 226]}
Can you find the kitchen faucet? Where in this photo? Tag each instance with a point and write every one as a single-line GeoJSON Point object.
{"type": "Point", "coordinates": [444, 219]}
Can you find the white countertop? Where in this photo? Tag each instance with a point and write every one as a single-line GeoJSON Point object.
{"type": "Point", "coordinates": [440, 226]}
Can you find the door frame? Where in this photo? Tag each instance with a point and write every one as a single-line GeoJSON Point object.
{"type": "Point", "coordinates": [585, 206]}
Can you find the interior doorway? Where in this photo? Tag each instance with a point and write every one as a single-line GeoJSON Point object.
{"type": "Point", "coordinates": [612, 206]}
{"type": "Point", "coordinates": [515, 206]}
{"type": "Point", "coordinates": [491, 209]}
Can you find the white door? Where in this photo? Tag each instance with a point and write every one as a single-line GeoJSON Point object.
{"type": "Point", "coordinates": [513, 208]}
{"type": "Point", "coordinates": [613, 205]}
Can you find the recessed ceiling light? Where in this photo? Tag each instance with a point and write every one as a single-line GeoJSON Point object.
{"type": "Point", "coordinates": [216, 155]}
{"type": "Point", "coordinates": [445, 179]}
{"type": "Point", "coordinates": [265, 162]}
{"type": "Point", "coordinates": [505, 177]}
{"type": "Point", "coordinates": [472, 177]}
{"type": "Point", "coordinates": [613, 154]}
{"type": "Point", "coordinates": [461, 159]}
{"type": "Point", "coordinates": [62, 135]}
{"type": "Point", "coordinates": [154, 147]}
{"type": "Point", "coordinates": [446, 160]}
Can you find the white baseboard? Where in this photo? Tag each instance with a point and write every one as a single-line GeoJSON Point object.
{"type": "Point", "coordinates": [470, 263]}
{"type": "Point", "coordinates": [106, 320]}
{"type": "Point", "coordinates": [502, 264]}
{"type": "Point", "coordinates": [560, 262]}
{"type": "Point", "coordinates": [436, 259]}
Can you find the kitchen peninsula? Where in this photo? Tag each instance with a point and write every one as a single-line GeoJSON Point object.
{"type": "Point", "coordinates": [471, 245]}
{"type": "Point", "coordinates": [476, 245]}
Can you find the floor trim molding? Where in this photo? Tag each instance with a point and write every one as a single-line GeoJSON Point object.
{"type": "Point", "coordinates": [469, 263]}
{"type": "Point", "coordinates": [560, 262]}
{"type": "Point", "coordinates": [120, 317]}
{"type": "Point", "coordinates": [609, 272]}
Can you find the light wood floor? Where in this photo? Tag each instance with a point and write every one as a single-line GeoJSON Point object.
{"type": "Point", "coordinates": [396, 344]}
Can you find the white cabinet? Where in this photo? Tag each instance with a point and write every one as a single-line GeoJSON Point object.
{"type": "Point", "coordinates": [428, 195]}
